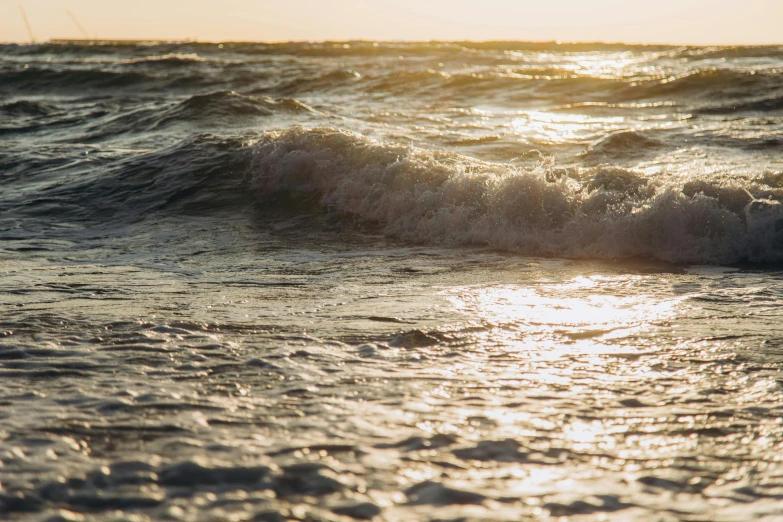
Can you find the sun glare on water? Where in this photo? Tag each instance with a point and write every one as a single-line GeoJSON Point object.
{"type": "Point", "coordinates": [578, 315]}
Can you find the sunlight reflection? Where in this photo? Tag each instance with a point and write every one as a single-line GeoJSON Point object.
{"type": "Point", "coordinates": [602, 65]}
{"type": "Point", "coordinates": [561, 128]}
{"type": "Point", "coordinates": [585, 315]}
{"type": "Point", "coordinates": [588, 434]}
{"type": "Point", "coordinates": [572, 341]}
{"type": "Point", "coordinates": [595, 64]}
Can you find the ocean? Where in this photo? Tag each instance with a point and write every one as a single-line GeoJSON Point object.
{"type": "Point", "coordinates": [444, 281]}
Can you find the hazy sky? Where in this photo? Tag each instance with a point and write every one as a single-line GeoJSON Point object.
{"type": "Point", "coordinates": [650, 21]}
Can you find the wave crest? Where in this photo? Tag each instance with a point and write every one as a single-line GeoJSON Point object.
{"type": "Point", "coordinates": [444, 198]}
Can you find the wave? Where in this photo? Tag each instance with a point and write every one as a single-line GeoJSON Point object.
{"type": "Point", "coordinates": [718, 83]}
{"type": "Point", "coordinates": [730, 52]}
{"type": "Point", "coordinates": [193, 67]}
{"type": "Point", "coordinates": [443, 198]}
{"type": "Point", "coordinates": [37, 80]}
{"type": "Point", "coordinates": [430, 197]}
{"type": "Point", "coordinates": [28, 109]}
{"type": "Point", "coordinates": [184, 53]}
{"type": "Point", "coordinates": [695, 86]}
{"type": "Point", "coordinates": [168, 60]}
{"type": "Point", "coordinates": [201, 175]}
{"type": "Point", "coordinates": [219, 108]}
{"type": "Point", "coordinates": [234, 104]}
{"type": "Point", "coordinates": [101, 121]}
{"type": "Point", "coordinates": [108, 48]}
{"type": "Point", "coordinates": [772, 104]}
{"type": "Point", "coordinates": [94, 80]}
{"type": "Point", "coordinates": [380, 48]}
{"type": "Point", "coordinates": [626, 145]}
{"type": "Point", "coordinates": [328, 48]}
{"type": "Point", "coordinates": [318, 82]}
{"type": "Point", "coordinates": [227, 106]}
{"type": "Point", "coordinates": [700, 87]}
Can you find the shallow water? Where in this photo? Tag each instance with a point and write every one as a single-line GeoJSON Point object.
{"type": "Point", "coordinates": [459, 281]}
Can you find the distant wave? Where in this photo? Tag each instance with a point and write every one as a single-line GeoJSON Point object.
{"type": "Point", "coordinates": [706, 87]}
{"type": "Point", "coordinates": [28, 109]}
{"type": "Point", "coordinates": [234, 104]}
{"type": "Point", "coordinates": [336, 48]}
{"type": "Point", "coordinates": [772, 104]}
{"type": "Point", "coordinates": [719, 83]}
{"type": "Point", "coordinates": [168, 60]}
{"type": "Point", "coordinates": [730, 52]}
{"type": "Point", "coordinates": [205, 110]}
{"type": "Point", "coordinates": [189, 68]}
{"type": "Point", "coordinates": [46, 79]}
{"type": "Point", "coordinates": [349, 48]}
{"type": "Point", "coordinates": [97, 123]}
{"type": "Point", "coordinates": [196, 50]}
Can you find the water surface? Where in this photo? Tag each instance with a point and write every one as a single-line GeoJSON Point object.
{"type": "Point", "coordinates": [442, 281]}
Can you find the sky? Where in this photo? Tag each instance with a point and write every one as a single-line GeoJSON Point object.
{"type": "Point", "coordinates": [630, 21]}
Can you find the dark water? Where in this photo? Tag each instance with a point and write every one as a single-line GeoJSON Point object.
{"type": "Point", "coordinates": [444, 281]}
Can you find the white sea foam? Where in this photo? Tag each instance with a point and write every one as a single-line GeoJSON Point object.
{"type": "Point", "coordinates": [444, 198]}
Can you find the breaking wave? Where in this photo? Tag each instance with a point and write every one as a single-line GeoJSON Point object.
{"type": "Point", "coordinates": [444, 198]}
{"type": "Point", "coordinates": [434, 197]}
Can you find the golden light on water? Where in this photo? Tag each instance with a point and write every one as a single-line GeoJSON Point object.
{"type": "Point", "coordinates": [553, 337]}
{"type": "Point", "coordinates": [601, 65]}
{"type": "Point", "coordinates": [563, 127]}
{"type": "Point", "coordinates": [577, 315]}
{"type": "Point", "coordinates": [557, 332]}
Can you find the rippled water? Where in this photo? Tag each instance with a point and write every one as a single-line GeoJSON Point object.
{"type": "Point", "coordinates": [442, 281]}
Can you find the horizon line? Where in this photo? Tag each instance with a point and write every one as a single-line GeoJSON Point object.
{"type": "Point", "coordinates": [379, 41]}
